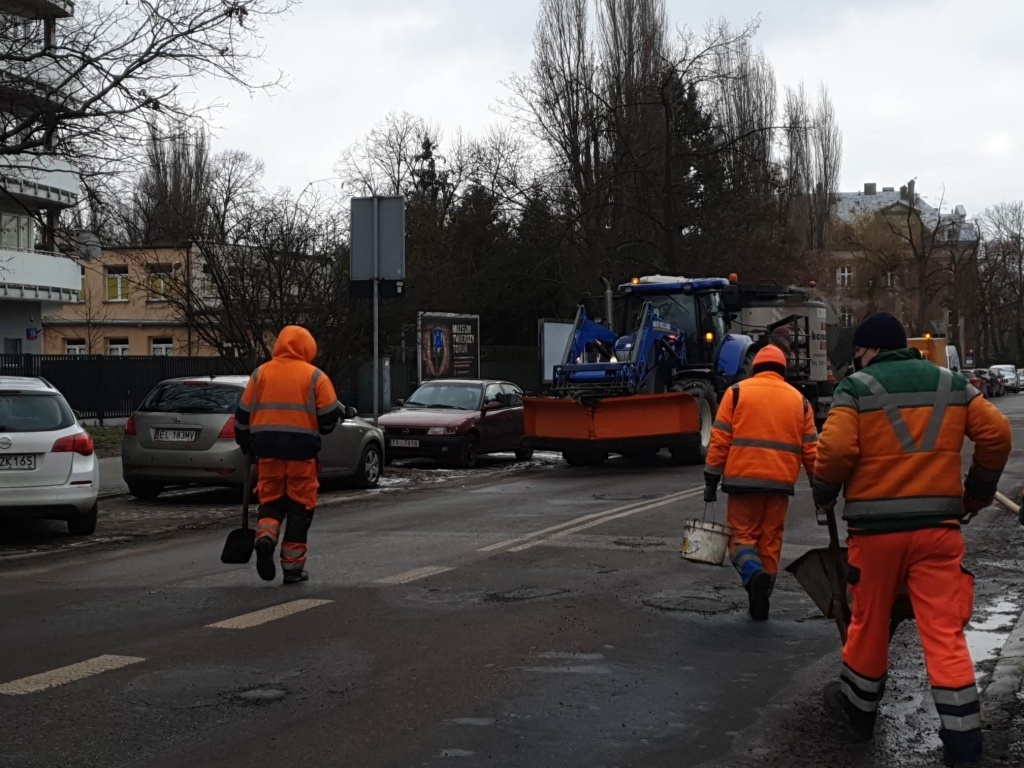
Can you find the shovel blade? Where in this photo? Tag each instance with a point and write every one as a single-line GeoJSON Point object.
{"type": "Point", "coordinates": [239, 546]}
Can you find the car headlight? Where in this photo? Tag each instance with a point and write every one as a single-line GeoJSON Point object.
{"type": "Point", "coordinates": [441, 431]}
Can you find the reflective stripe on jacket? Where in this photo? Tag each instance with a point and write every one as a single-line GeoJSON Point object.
{"type": "Point", "coordinates": [288, 402]}
{"type": "Point", "coordinates": [763, 432]}
{"type": "Point", "coordinates": [894, 437]}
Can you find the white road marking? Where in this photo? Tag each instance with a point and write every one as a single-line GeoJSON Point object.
{"type": "Point", "coordinates": [68, 674]}
{"type": "Point", "coordinates": [608, 518]}
{"type": "Point", "coordinates": [254, 619]}
{"type": "Point", "coordinates": [576, 521]}
{"type": "Point", "coordinates": [415, 574]}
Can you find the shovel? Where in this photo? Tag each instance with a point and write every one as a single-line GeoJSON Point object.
{"type": "Point", "coordinates": [241, 541]}
{"type": "Point", "coordinates": [1013, 507]}
{"type": "Point", "coordinates": [835, 581]}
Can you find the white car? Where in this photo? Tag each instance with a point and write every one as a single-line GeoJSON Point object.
{"type": "Point", "coordinates": [48, 465]}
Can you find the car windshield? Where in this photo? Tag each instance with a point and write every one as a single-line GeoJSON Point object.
{"type": "Point", "coordinates": [465, 397]}
{"type": "Point", "coordinates": [30, 412]}
{"type": "Point", "coordinates": [192, 397]}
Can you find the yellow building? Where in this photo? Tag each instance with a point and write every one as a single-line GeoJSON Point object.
{"type": "Point", "coordinates": [126, 307]}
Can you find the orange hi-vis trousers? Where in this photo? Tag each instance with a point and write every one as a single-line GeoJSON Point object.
{"type": "Point", "coordinates": [287, 489]}
{"type": "Point", "coordinates": [757, 521]}
{"type": "Point", "coordinates": [929, 561]}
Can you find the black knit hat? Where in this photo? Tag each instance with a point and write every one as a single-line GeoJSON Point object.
{"type": "Point", "coordinates": [880, 331]}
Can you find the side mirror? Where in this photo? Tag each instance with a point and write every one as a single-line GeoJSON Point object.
{"type": "Point", "coordinates": [350, 412]}
{"type": "Point", "coordinates": [493, 405]}
{"type": "Point", "coordinates": [399, 402]}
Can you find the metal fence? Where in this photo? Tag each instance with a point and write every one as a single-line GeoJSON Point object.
{"type": "Point", "coordinates": [107, 387]}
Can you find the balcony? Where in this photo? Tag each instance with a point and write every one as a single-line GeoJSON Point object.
{"type": "Point", "coordinates": [38, 9]}
{"type": "Point", "coordinates": [40, 181]}
{"type": "Point", "coordinates": [38, 276]}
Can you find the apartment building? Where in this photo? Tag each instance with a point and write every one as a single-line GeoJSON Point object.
{"type": "Point", "coordinates": [35, 279]}
{"type": "Point", "coordinates": [124, 306]}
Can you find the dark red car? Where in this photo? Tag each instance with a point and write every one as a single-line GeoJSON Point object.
{"type": "Point", "coordinates": [456, 421]}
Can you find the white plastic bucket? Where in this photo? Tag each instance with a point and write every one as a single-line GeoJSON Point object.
{"type": "Point", "coordinates": [705, 542]}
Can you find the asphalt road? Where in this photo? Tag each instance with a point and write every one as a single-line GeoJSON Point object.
{"type": "Point", "coordinates": [540, 617]}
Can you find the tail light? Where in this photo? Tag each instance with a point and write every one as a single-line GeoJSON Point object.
{"type": "Point", "coordinates": [129, 427]}
{"type": "Point", "coordinates": [80, 443]}
{"type": "Point", "coordinates": [228, 431]}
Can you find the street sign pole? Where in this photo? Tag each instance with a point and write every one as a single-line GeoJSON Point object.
{"type": "Point", "coordinates": [376, 310]}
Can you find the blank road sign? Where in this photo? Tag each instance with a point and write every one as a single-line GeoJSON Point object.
{"type": "Point", "coordinates": [390, 240]}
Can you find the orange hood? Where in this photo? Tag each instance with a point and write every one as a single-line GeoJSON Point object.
{"type": "Point", "coordinates": [295, 343]}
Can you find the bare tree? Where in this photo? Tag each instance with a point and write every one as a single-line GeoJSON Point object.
{"type": "Point", "coordinates": [385, 162]}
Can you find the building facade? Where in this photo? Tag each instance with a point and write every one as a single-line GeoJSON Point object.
{"type": "Point", "coordinates": [35, 277]}
{"type": "Point", "coordinates": [891, 251]}
{"type": "Point", "coordinates": [125, 307]}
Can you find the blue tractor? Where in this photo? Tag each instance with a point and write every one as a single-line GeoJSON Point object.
{"type": "Point", "coordinates": [654, 385]}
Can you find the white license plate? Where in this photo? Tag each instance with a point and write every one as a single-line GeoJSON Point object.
{"type": "Point", "coordinates": [174, 435]}
{"type": "Point", "coordinates": [405, 443]}
{"type": "Point", "coordinates": [18, 461]}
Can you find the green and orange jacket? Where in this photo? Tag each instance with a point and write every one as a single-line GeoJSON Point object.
{"type": "Point", "coordinates": [892, 442]}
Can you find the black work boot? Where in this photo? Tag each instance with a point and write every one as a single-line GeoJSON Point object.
{"type": "Point", "coordinates": [265, 559]}
{"type": "Point", "coordinates": [294, 577]}
{"type": "Point", "coordinates": [760, 589]}
{"type": "Point", "coordinates": [860, 724]}
{"type": "Point", "coordinates": [961, 749]}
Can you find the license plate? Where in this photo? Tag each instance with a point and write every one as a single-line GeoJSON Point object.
{"type": "Point", "coordinates": [18, 461]}
{"type": "Point", "coordinates": [174, 435]}
{"type": "Point", "coordinates": [405, 443]}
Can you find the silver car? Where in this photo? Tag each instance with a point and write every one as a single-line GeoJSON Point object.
{"type": "Point", "coordinates": [48, 465]}
{"type": "Point", "coordinates": [184, 433]}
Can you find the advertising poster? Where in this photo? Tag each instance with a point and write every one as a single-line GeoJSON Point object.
{"type": "Point", "coordinates": [449, 346]}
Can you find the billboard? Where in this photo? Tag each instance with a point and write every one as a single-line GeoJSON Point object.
{"type": "Point", "coordinates": [555, 336]}
{"type": "Point", "coordinates": [449, 346]}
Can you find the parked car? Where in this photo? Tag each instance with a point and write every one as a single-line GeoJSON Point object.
{"type": "Point", "coordinates": [978, 380]}
{"type": "Point", "coordinates": [48, 465]}
{"type": "Point", "coordinates": [457, 421]}
{"type": "Point", "coordinates": [184, 433]}
{"type": "Point", "coordinates": [993, 384]}
{"type": "Point", "coordinates": [1008, 374]}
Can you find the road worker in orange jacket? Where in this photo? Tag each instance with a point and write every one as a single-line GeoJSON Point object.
{"type": "Point", "coordinates": [763, 432]}
{"type": "Point", "coordinates": [892, 441]}
{"type": "Point", "coordinates": [287, 405]}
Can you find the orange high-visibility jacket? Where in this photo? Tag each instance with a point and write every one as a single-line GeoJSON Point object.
{"type": "Point", "coordinates": [763, 432]}
{"type": "Point", "coordinates": [288, 402]}
{"type": "Point", "coordinates": [894, 439]}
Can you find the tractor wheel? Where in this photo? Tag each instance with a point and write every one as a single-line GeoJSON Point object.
{"type": "Point", "coordinates": [693, 449]}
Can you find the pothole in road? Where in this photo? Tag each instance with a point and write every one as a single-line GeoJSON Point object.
{"type": "Point", "coordinates": [639, 543]}
{"type": "Point", "coordinates": [679, 602]}
{"type": "Point", "coordinates": [260, 695]}
{"type": "Point", "coordinates": [526, 593]}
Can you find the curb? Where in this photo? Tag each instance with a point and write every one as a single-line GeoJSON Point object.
{"type": "Point", "coordinates": [999, 696]}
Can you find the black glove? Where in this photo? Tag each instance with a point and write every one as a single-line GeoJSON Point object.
{"type": "Point", "coordinates": [711, 493]}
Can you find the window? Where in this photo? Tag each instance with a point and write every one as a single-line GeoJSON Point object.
{"type": "Point", "coordinates": [117, 347]}
{"type": "Point", "coordinates": [846, 317]}
{"type": "Point", "coordinates": [493, 393]}
{"type": "Point", "coordinates": [192, 397]}
{"type": "Point", "coordinates": [83, 292]}
{"type": "Point", "coordinates": [892, 279]}
{"type": "Point", "coordinates": [158, 281]}
{"type": "Point", "coordinates": [74, 347]}
{"type": "Point", "coordinates": [514, 395]}
{"type": "Point", "coordinates": [844, 277]}
{"type": "Point", "coordinates": [162, 347]}
{"type": "Point", "coordinates": [117, 284]}
{"type": "Point", "coordinates": [16, 231]}
{"type": "Point", "coordinates": [29, 412]}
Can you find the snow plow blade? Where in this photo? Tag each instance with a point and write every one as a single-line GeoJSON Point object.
{"type": "Point", "coordinates": [613, 424]}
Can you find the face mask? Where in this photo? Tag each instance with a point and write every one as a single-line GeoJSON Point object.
{"type": "Point", "coordinates": [858, 363]}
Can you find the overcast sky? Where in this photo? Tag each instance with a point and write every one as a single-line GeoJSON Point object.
{"type": "Point", "coordinates": [923, 88]}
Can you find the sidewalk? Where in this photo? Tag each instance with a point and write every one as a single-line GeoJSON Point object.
{"type": "Point", "coordinates": [110, 477]}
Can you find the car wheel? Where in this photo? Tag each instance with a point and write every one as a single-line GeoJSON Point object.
{"type": "Point", "coordinates": [84, 523]}
{"type": "Point", "coordinates": [470, 452]}
{"type": "Point", "coordinates": [584, 457]}
{"type": "Point", "coordinates": [369, 471]}
{"type": "Point", "coordinates": [524, 452]}
{"type": "Point", "coordinates": [143, 490]}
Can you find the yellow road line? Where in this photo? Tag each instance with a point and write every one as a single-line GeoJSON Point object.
{"type": "Point", "coordinates": [68, 674]}
{"type": "Point", "coordinates": [256, 618]}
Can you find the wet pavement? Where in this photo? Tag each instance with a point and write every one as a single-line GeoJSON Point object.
{"type": "Point", "coordinates": [520, 616]}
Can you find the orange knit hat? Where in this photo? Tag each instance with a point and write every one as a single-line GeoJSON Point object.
{"type": "Point", "coordinates": [770, 358]}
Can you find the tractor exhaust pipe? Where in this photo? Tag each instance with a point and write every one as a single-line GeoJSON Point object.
{"type": "Point", "coordinates": [609, 308]}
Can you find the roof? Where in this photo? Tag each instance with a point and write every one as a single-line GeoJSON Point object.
{"type": "Point", "coordinates": [26, 383]}
{"type": "Point", "coordinates": [852, 206]}
{"type": "Point", "coordinates": [468, 381]}
{"type": "Point", "coordinates": [667, 284]}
